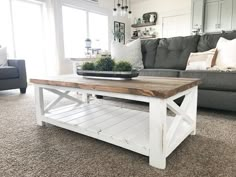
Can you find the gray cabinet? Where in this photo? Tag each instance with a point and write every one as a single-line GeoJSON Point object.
{"type": "Point", "coordinates": [197, 15]}
{"type": "Point", "coordinates": [218, 15]}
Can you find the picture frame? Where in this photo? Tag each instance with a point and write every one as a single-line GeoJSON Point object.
{"type": "Point", "coordinates": [119, 32]}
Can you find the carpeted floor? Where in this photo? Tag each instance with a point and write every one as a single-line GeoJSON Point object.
{"type": "Point", "coordinates": [27, 150]}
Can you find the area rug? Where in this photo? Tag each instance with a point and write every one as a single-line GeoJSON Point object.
{"type": "Point", "coordinates": [27, 150]}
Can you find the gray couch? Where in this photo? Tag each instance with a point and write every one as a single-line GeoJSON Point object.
{"type": "Point", "coordinates": [168, 58]}
{"type": "Point", "coordinates": [13, 76]}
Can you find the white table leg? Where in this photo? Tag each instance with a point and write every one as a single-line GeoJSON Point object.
{"type": "Point", "coordinates": [193, 109]}
{"type": "Point", "coordinates": [39, 102]}
{"type": "Point", "coordinates": [85, 97]}
{"type": "Point", "coordinates": [157, 127]}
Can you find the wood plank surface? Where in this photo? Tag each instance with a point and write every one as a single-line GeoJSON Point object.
{"type": "Point", "coordinates": [161, 87]}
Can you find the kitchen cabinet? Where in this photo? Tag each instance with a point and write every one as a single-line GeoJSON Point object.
{"type": "Point", "coordinates": [197, 15]}
{"type": "Point", "coordinates": [218, 15]}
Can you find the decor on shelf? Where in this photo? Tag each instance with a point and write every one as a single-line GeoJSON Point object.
{"type": "Point", "coordinates": [119, 32]}
{"type": "Point", "coordinates": [148, 19]}
{"type": "Point", "coordinates": [122, 8]}
{"type": "Point", "coordinates": [107, 67]}
{"type": "Point", "coordinates": [88, 45]}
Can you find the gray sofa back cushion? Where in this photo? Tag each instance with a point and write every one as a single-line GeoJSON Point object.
{"type": "Point", "coordinates": [149, 48]}
{"type": "Point", "coordinates": [173, 53]}
{"type": "Point", "coordinates": [209, 41]}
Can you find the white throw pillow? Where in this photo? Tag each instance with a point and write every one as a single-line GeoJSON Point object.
{"type": "Point", "coordinates": [202, 60]}
{"type": "Point", "coordinates": [130, 52]}
{"type": "Point", "coordinates": [226, 53]}
{"type": "Point", "coordinates": [3, 56]}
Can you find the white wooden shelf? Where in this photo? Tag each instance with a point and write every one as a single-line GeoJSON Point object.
{"type": "Point", "coordinates": [120, 126]}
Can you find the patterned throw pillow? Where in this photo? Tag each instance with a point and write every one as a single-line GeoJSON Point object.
{"type": "Point", "coordinates": [130, 52]}
{"type": "Point", "coordinates": [202, 60]}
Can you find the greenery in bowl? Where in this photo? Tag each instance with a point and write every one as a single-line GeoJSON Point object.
{"type": "Point", "coordinates": [104, 64]}
{"type": "Point", "coordinates": [107, 64]}
{"type": "Point", "coordinates": [88, 66]}
{"type": "Point", "coordinates": [123, 66]}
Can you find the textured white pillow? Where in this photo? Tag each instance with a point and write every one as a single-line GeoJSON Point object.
{"type": "Point", "coordinates": [202, 60]}
{"type": "Point", "coordinates": [3, 56]}
{"type": "Point", "coordinates": [226, 53]}
{"type": "Point", "coordinates": [130, 52]}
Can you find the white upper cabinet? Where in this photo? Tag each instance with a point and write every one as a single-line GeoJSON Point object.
{"type": "Point", "coordinates": [225, 14]}
{"type": "Point", "coordinates": [211, 16]}
{"type": "Point", "coordinates": [217, 15]}
{"type": "Point", "coordinates": [197, 15]}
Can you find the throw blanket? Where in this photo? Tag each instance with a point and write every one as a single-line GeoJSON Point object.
{"type": "Point", "coordinates": [222, 69]}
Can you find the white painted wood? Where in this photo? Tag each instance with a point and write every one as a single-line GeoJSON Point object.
{"type": "Point", "coordinates": [113, 121]}
{"type": "Point", "coordinates": [193, 110]}
{"type": "Point", "coordinates": [96, 92]}
{"type": "Point", "coordinates": [123, 125]}
{"type": "Point", "coordinates": [157, 133]}
{"type": "Point", "coordinates": [179, 111]}
{"type": "Point", "coordinates": [54, 102]}
{"type": "Point", "coordinates": [64, 95]}
{"type": "Point", "coordinates": [152, 133]}
{"type": "Point", "coordinates": [100, 114]}
{"type": "Point", "coordinates": [39, 102]}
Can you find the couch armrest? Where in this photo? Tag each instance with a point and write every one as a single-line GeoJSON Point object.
{"type": "Point", "coordinates": [20, 65]}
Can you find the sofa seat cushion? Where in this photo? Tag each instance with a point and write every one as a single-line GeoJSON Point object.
{"type": "Point", "coordinates": [173, 53]}
{"type": "Point", "coordinates": [160, 72]}
{"type": "Point", "coordinates": [209, 41]}
{"type": "Point", "coordinates": [8, 72]}
{"type": "Point", "coordinates": [149, 49]}
{"type": "Point", "coordinates": [213, 80]}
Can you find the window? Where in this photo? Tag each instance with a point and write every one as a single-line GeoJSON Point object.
{"type": "Point", "coordinates": [75, 31]}
{"type": "Point", "coordinates": [28, 35]}
{"type": "Point", "coordinates": [79, 25]}
{"type": "Point", "coordinates": [23, 33]}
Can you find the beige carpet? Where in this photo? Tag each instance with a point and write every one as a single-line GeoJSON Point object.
{"type": "Point", "coordinates": [27, 150]}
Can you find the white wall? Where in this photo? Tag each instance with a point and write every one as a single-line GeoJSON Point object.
{"type": "Point", "coordinates": [164, 8]}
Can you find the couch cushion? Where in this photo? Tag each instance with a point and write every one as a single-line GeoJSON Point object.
{"type": "Point", "coordinates": [213, 80]}
{"type": "Point", "coordinates": [173, 53]}
{"type": "Point", "coordinates": [8, 72]}
{"type": "Point", "coordinates": [209, 41]}
{"type": "Point", "coordinates": [149, 48]}
{"type": "Point", "coordinates": [160, 72]}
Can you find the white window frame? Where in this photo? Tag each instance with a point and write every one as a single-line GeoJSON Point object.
{"type": "Point", "coordinates": [88, 9]}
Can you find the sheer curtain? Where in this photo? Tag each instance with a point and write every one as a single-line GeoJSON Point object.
{"type": "Point", "coordinates": [32, 30]}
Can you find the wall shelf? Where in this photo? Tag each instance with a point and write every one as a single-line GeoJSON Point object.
{"type": "Point", "coordinates": [144, 37]}
{"type": "Point", "coordinates": [142, 25]}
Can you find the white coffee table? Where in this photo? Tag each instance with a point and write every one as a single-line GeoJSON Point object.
{"type": "Point", "coordinates": [154, 133]}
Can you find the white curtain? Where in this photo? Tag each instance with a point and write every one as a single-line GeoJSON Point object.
{"type": "Point", "coordinates": [54, 36]}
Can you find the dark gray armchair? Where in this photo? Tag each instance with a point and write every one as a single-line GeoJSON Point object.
{"type": "Point", "coordinates": [13, 76]}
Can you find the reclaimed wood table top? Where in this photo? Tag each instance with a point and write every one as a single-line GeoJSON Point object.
{"type": "Point", "coordinates": [161, 87]}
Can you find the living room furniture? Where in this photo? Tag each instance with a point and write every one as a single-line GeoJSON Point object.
{"type": "Point", "coordinates": [167, 57]}
{"type": "Point", "coordinates": [154, 133]}
{"type": "Point", "coordinates": [13, 76]}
